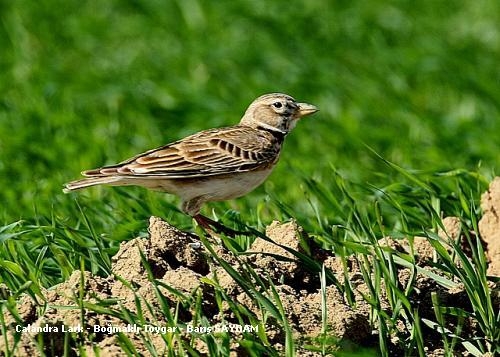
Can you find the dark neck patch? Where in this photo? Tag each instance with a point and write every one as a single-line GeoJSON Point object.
{"type": "Point", "coordinates": [278, 134]}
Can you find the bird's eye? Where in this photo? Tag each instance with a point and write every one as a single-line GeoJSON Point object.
{"type": "Point", "coordinates": [277, 104]}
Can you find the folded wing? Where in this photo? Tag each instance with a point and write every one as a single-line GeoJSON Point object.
{"type": "Point", "coordinates": [210, 152]}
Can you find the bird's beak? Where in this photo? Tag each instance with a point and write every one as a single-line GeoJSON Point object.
{"type": "Point", "coordinates": [306, 109]}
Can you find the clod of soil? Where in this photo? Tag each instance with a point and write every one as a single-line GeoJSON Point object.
{"type": "Point", "coordinates": [489, 225]}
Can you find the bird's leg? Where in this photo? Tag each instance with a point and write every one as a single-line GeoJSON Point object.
{"type": "Point", "coordinates": [192, 207]}
{"type": "Point", "coordinates": [209, 224]}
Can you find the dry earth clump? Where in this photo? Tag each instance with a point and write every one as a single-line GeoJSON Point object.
{"type": "Point", "coordinates": [489, 225]}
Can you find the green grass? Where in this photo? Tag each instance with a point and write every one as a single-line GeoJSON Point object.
{"type": "Point", "coordinates": [407, 129]}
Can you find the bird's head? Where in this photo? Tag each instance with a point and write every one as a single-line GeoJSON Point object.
{"type": "Point", "coordinates": [276, 112]}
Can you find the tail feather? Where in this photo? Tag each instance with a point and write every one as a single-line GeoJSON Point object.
{"type": "Point", "coordinates": [91, 181]}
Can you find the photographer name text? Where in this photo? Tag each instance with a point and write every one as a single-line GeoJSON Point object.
{"type": "Point", "coordinates": [134, 328]}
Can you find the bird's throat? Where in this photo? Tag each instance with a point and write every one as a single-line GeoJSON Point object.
{"type": "Point", "coordinates": [277, 133]}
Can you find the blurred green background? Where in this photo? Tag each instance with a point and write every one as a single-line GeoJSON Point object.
{"type": "Point", "coordinates": [83, 84]}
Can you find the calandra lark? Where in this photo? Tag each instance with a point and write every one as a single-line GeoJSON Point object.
{"type": "Point", "coordinates": [212, 165]}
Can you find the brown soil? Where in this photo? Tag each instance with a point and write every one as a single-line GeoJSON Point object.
{"type": "Point", "coordinates": [489, 225]}
{"type": "Point", "coordinates": [176, 264]}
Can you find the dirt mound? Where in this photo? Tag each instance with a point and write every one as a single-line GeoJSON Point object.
{"type": "Point", "coordinates": [149, 274]}
{"type": "Point", "coordinates": [489, 225]}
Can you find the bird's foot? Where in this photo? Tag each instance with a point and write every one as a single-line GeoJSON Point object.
{"type": "Point", "coordinates": [213, 226]}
